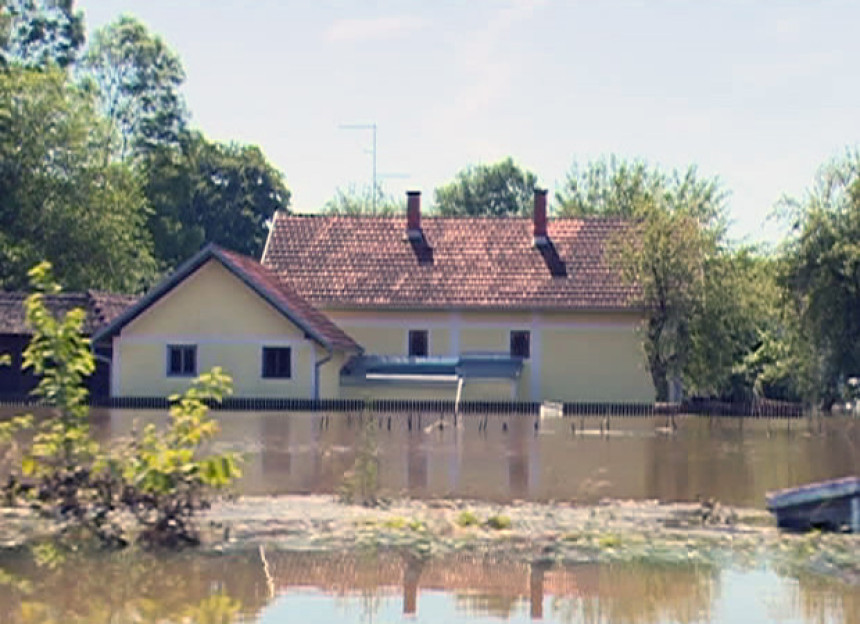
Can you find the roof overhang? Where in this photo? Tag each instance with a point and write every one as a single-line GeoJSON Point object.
{"type": "Point", "coordinates": [186, 269]}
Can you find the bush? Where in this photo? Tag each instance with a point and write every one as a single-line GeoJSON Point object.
{"type": "Point", "coordinates": [468, 518]}
{"type": "Point", "coordinates": [66, 475]}
{"type": "Point", "coordinates": [499, 522]}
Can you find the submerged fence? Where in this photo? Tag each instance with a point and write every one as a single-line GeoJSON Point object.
{"type": "Point", "coordinates": [752, 409]}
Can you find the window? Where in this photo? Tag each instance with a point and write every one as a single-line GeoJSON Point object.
{"type": "Point", "coordinates": [277, 363]}
{"type": "Point", "coordinates": [181, 360]}
{"type": "Point", "coordinates": [418, 342]}
{"type": "Point", "coordinates": [520, 344]}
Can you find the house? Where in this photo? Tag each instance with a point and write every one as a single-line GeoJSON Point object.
{"type": "Point", "coordinates": [503, 309]}
{"type": "Point", "coordinates": [100, 308]}
{"type": "Point", "coordinates": [481, 308]}
{"type": "Point", "coordinates": [224, 309]}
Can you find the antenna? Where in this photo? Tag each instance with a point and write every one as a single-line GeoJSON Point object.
{"type": "Point", "coordinates": [367, 126]}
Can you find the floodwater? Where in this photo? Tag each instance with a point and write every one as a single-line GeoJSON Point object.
{"type": "Point", "coordinates": [498, 458]}
{"type": "Point", "coordinates": [377, 587]}
{"type": "Point", "coordinates": [732, 460]}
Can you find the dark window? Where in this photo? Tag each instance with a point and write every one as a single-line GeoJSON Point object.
{"type": "Point", "coordinates": [418, 343]}
{"type": "Point", "coordinates": [277, 363]}
{"type": "Point", "coordinates": [520, 344]}
{"type": "Point", "coordinates": [182, 360]}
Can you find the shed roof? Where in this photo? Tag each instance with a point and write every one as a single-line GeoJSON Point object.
{"type": "Point", "coordinates": [100, 308]}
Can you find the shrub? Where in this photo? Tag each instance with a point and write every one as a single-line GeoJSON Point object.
{"type": "Point", "coordinates": [361, 483]}
{"type": "Point", "coordinates": [467, 518]}
{"type": "Point", "coordinates": [499, 522]}
{"type": "Point", "coordinates": [66, 475]}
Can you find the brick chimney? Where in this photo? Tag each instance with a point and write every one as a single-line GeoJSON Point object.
{"type": "Point", "coordinates": [413, 215]}
{"type": "Point", "coordinates": [540, 235]}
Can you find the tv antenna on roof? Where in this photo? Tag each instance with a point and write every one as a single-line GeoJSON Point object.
{"type": "Point", "coordinates": [367, 126]}
{"type": "Point", "coordinates": [375, 176]}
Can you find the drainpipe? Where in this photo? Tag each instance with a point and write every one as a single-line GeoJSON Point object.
{"type": "Point", "coordinates": [317, 367]}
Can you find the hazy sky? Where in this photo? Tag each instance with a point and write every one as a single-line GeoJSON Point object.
{"type": "Point", "coordinates": [759, 94]}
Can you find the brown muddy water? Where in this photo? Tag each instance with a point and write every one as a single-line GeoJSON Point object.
{"type": "Point", "coordinates": [376, 587]}
{"type": "Point", "coordinates": [732, 460]}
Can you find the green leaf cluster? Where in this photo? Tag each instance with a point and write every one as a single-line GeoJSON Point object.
{"type": "Point", "coordinates": [100, 172]}
{"type": "Point", "coordinates": [819, 273]}
{"type": "Point", "coordinates": [162, 477]}
{"type": "Point", "coordinates": [166, 480]}
{"type": "Point", "coordinates": [354, 202]}
{"type": "Point", "coordinates": [497, 190]}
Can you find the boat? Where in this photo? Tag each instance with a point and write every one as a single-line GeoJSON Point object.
{"type": "Point", "coordinates": [827, 505]}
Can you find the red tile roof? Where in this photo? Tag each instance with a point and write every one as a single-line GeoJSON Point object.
{"type": "Point", "coordinates": [101, 308]}
{"type": "Point", "coordinates": [345, 261]}
{"type": "Point", "coordinates": [258, 278]}
{"type": "Point", "coordinates": [288, 299]}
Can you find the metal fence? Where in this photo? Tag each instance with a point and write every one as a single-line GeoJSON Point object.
{"type": "Point", "coordinates": [751, 409]}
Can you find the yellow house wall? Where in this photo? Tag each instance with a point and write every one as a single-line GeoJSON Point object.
{"type": "Point", "coordinates": [575, 356]}
{"type": "Point", "coordinates": [594, 364]}
{"type": "Point", "coordinates": [329, 380]}
{"type": "Point", "coordinates": [230, 324]}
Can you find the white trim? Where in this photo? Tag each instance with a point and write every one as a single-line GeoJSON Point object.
{"type": "Point", "coordinates": [196, 339]}
{"type": "Point", "coordinates": [416, 378]}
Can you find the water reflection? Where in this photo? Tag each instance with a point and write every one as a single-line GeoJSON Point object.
{"type": "Point", "coordinates": [143, 588]}
{"type": "Point", "coordinates": [732, 460]}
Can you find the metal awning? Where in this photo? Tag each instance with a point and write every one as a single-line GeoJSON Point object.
{"type": "Point", "coordinates": [432, 369]}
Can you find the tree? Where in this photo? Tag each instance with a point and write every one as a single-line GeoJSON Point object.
{"type": "Point", "coordinates": [58, 199]}
{"type": "Point", "coordinates": [355, 202]}
{"type": "Point", "coordinates": [820, 273]}
{"type": "Point", "coordinates": [496, 190]}
{"type": "Point", "coordinates": [138, 78]}
{"type": "Point", "coordinates": [38, 33]}
{"type": "Point", "coordinates": [695, 290]}
{"type": "Point", "coordinates": [608, 188]}
{"type": "Point", "coordinates": [206, 191]}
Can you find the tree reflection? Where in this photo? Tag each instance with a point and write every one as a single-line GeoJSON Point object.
{"type": "Point", "coordinates": [821, 600]}
{"type": "Point", "coordinates": [132, 587]}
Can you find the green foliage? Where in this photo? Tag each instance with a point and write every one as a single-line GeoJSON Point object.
{"type": "Point", "coordinates": [496, 190]}
{"type": "Point", "coordinates": [137, 77]}
{"type": "Point", "coordinates": [499, 522]}
{"type": "Point", "coordinates": [59, 199]}
{"type": "Point", "coordinates": [670, 251]}
{"type": "Point", "coordinates": [60, 356]}
{"type": "Point", "coordinates": [205, 191]}
{"type": "Point", "coordinates": [165, 480]}
{"type": "Point", "coordinates": [467, 518]}
{"type": "Point", "coordinates": [40, 33]}
{"type": "Point", "coordinates": [355, 202]}
{"type": "Point", "coordinates": [608, 188]}
{"type": "Point", "coordinates": [161, 477]}
{"type": "Point", "coordinates": [361, 484]}
{"type": "Point", "coordinates": [820, 276]}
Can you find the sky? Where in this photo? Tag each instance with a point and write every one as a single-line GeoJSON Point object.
{"type": "Point", "coordinates": [758, 94]}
